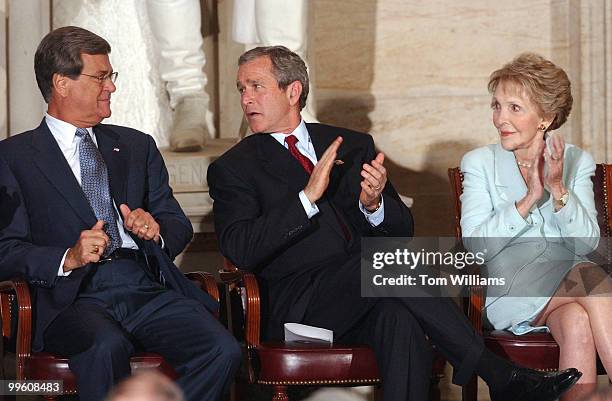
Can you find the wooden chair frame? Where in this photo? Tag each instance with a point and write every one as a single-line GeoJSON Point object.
{"type": "Point", "coordinates": [17, 290]}
{"type": "Point", "coordinates": [246, 285]}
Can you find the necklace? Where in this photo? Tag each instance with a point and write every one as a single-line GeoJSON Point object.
{"type": "Point", "coordinates": [523, 164]}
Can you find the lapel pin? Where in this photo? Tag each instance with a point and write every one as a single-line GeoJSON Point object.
{"type": "Point", "coordinates": [115, 149]}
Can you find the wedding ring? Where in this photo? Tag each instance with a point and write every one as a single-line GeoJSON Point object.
{"type": "Point", "coordinates": [96, 249]}
{"type": "Point", "coordinates": [377, 188]}
{"type": "Point", "coordinates": [146, 226]}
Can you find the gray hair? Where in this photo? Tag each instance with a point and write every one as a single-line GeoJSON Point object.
{"type": "Point", "coordinates": [287, 67]}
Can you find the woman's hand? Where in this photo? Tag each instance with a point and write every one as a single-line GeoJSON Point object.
{"type": "Point", "coordinates": [534, 181]}
{"type": "Point", "coordinates": [554, 160]}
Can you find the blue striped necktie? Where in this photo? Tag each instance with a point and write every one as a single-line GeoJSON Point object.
{"type": "Point", "coordinates": [94, 181]}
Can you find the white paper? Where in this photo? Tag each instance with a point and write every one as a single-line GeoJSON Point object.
{"type": "Point", "coordinates": [305, 333]}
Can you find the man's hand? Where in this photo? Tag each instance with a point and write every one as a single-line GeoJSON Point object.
{"type": "Point", "coordinates": [374, 181]}
{"type": "Point", "coordinates": [140, 223]}
{"type": "Point", "coordinates": [88, 249]}
{"type": "Point", "coordinates": [319, 179]}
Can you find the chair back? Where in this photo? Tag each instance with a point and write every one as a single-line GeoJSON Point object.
{"type": "Point", "coordinates": [602, 186]}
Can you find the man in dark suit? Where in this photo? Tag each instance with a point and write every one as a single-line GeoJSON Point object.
{"type": "Point", "coordinates": [90, 222]}
{"type": "Point", "coordinates": [293, 201]}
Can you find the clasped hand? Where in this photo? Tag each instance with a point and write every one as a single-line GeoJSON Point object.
{"type": "Point", "coordinates": [553, 180]}
{"type": "Point", "coordinates": [91, 244]}
{"type": "Point", "coordinates": [537, 180]}
{"type": "Point", "coordinates": [374, 178]}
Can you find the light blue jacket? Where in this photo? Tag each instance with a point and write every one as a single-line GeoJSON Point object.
{"type": "Point", "coordinates": [533, 254]}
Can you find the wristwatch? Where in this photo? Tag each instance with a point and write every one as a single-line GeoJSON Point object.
{"type": "Point", "coordinates": [377, 206]}
{"type": "Point", "coordinates": [562, 201]}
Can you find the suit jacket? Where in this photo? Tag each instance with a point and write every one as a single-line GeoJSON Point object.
{"type": "Point", "coordinates": [44, 211]}
{"type": "Point", "coordinates": [262, 226]}
{"type": "Point", "coordinates": [518, 248]}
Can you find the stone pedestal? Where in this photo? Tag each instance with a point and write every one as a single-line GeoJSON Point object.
{"type": "Point", "coordinates": [188, 180]}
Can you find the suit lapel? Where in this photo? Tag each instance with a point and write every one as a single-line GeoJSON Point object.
{"type": "Point", "coordinates": [508, 180]}
{"type": "Point", "coordinates": [321, 142]}
{"type": "Point", "coordinates": [116, 155]}
{"type": "Point", "coordinates": [278, 162]}
{"type": "Point", "coordinates": [53, 165]}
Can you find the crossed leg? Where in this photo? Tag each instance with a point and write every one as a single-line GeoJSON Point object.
{"type": "Point", "coordinates": [578, 316]}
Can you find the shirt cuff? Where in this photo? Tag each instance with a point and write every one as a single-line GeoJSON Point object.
{"type": "Point", "coordinates": [161, 241]}
{"type": "Point", "coordinates": [377, 217]}
{"type": "Point", "coordinates": [310, 208]}
{"type": "Point", "coordinates": [61, 272]}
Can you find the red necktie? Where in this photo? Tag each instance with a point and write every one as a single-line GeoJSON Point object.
{"type": "Point", "coordinates": [291, 140]}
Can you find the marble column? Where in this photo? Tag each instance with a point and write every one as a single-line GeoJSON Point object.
{"type": "Point", "coordinates": [28, 22]}
{"type": "Point", "coordinates": [3, 67]}
{"type": "Point", "coordinates": [595, 92]}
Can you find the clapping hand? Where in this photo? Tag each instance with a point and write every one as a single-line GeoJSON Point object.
{"type": "Point", "coordinates": [374, 181]}
{"type": "Point", "coordinates": [535, 174]}
{"type": "Point", "coordinates": [554, 161]}
{"type": "Point", "coordinates": [319, 179]}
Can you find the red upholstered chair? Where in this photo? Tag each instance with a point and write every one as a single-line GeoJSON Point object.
{"type": "Point", "coordinates": [533, 350]}
{"type": "Point", "coordinates": [44, 366]}
{"type": "Point", "coordinates": [280, 364]}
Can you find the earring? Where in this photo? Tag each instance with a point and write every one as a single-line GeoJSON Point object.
{"type": "Point", "coordinates": [542, 127]}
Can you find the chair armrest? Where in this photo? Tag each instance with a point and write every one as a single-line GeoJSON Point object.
{"type": "Point", "coordinates": [246, 284]}
{"type": "Point", "coordinates": [253, 312]}
{"type": "Point", "coordinates": [24, 319]}
{"type": "Point", "coordinates": [475, 306]}
{"type": "Point", "coordinates": [206, 282]}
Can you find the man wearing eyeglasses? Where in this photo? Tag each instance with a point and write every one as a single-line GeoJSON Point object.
{"type": "Point", "coordinates": [88, 219]}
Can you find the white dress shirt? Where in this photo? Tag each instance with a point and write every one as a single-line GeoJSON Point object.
{"type": "Point", "coordinates": [305, 146]}
{"type": "Point", "coordinates": [65, 136]}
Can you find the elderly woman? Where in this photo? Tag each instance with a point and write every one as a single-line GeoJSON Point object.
{"type": "Point", "coordinates": [528, 200]}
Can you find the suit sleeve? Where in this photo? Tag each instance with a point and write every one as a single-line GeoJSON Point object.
{"type": "Point", "coordinates": [174, 225]}
{"type": "Point", "coordinates": [577, 220]}
{"type": "Point", "coordinates": [247, 235]}
{"type": "Point", "coordinates": [19, 257]}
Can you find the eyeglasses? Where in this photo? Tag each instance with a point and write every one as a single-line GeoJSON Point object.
{"type": "Point", "coordinates": [111, 76]}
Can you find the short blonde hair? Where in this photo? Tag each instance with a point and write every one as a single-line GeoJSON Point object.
{"type": "Point", "coordinates": [546, 85]}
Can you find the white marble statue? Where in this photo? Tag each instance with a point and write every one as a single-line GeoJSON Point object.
{"type": "Point", "coordinates": [176, 26]}
{"type": "Point", "coordinates": [141, 101]}
{"type": "Point", "coordinates": [276, 22]}
{"type": "Point", "coordinates": [157, 50]}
